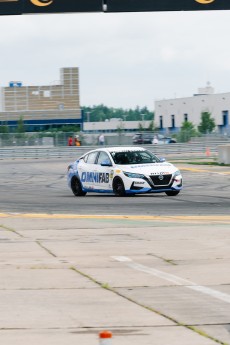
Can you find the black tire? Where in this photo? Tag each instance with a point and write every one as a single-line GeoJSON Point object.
{"type": "Point", "coordinates": [118, 187]}
{"type": "Point", "coordinates": [76, 187]}
{"type": "Point", "coordinates": [172, 192]}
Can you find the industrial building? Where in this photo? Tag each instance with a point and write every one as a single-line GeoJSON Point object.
{"type": "Point", "coordinates": [115, 125]}
{"type": "Point", "coordinates": [171, 113]}
{"type": "Point", "coordinates": [43, 107]}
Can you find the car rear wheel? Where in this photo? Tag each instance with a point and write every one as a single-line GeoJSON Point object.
{"type": "Point", "coordinates": [76, 187]}
{"type": "Point", "coordinates": [172, 192]}
{"type": "Point", "coordinates": [118, 187]}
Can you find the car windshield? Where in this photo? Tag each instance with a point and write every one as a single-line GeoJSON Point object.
{"type": "Point", "coordinates": [134, 157]}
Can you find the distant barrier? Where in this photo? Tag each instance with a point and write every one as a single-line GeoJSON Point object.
{"type": "Point", "coordinates": [224, 154]}
{"type": "Point", "coordinates": [175, 151]}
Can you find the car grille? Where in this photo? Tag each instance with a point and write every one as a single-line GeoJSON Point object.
{"type": "Point", "coordinates": [161, 180]}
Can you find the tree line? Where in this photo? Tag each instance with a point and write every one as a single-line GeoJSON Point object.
{"type": "Point", "coordinates": [102, 113]}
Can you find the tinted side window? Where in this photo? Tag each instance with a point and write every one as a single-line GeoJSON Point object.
{"type": "Point", "coordinates": [103, 157]}
{"type": "Point", "coordinates": [91, 157]}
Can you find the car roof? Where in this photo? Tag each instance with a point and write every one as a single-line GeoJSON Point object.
{"type": "Point", "coordinates": [125, 149]}
{"type": "Point", "coordinates": [116, 149]}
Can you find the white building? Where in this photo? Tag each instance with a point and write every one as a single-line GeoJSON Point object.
{"type": "Point", "coordinates": [114, 125]}
{"type": "Point", "coordinates": [171, 113]}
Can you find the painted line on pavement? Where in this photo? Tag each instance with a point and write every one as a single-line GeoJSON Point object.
{"type": "Point", "coordinates": [187, 218]}
{"type": "Point", "coordinates": [206, 218]}
{"type": "Point", "coordinates": [174, 279]}
{"type": "Point", "coordinates": [203, 170]}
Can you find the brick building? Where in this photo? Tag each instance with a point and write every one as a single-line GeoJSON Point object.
{"type": "Point", "coordinates": [45, 106]}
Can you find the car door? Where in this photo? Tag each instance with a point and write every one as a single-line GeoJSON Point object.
{"type": "Point", "coordinates": [104, 171]}
{"type": "Point", "coordinates": [87, 171]}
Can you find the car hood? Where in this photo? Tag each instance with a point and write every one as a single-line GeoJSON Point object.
{"type": "Point", "coordinates": [149, 169]}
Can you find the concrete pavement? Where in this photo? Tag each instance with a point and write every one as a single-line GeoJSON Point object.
{"type": "Point", "coordinates": [149, 280]}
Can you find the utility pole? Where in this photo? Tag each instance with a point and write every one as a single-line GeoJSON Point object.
{"type": "Point", "coordinates": [88, 116]}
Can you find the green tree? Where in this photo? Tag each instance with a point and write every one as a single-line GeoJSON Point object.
{"type": "Point", "coordinates": [4, 129]}
{"type": "Point", "coordinates": [187, 131]}
{"type": "Point", "coordinates": [20, 128]}
{"type": "Point", "coordinates": [140, 126]}
{"type": "Point", "coordinates": [151, 127]}
{"type": "Point", "coordinates": [101, 113]}
{"type": "Point", "coordinates": [207, 123]}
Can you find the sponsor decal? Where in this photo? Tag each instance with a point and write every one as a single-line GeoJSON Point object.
{"type": "Point", "coordinates": [137, 182]}
{"type": "Point", "coordinates": [121, 151]}
{"type": "Point", "coordinates": [41, 3]}
{"type": "Point", "coordinates": [111, 174]}
{"type": "Point", "coordinates": [150, 165]}
{"type": "Point", "coordinates": [90, 187]}
{"type": "Point", "coordinates": [117, 171]}
{"type": "Point", "coordinates": [95, 177]}
{"type": "Point", "coordinates": [160, 173]}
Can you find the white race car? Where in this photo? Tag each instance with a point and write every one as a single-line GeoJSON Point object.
{"type": "Point", "coordinates": [123, 171]}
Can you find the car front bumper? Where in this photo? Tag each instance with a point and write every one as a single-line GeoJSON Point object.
{"type": "Point", "coordinates": [146, 185]}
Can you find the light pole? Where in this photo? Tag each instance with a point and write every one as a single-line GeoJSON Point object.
{"type": "Point", "coordinates": [88, 116]}
{"type": "Point", "coordinates": [142, 120]}
{"type": "Point", "coordinates": [124, 116]}
{"type": "Point", "coordinates": [143, 117]}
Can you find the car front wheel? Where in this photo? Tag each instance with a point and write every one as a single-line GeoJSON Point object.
{"type": "Point", "coordinates": [118, 187]}
{"type": "Point", "coordinates": [76, 187]}
{"type": "Point", "coordinates": [172, 193]}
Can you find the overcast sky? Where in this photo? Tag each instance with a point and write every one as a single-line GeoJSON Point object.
{"type": "Point", "coordinates": [125, 59]}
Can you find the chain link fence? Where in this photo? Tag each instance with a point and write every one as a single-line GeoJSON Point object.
{"type": "Point", "coordinates": [35, 139]}
{"type": "Point", "coordinates": [62, 139]}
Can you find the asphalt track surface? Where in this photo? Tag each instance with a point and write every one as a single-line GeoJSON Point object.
{"type": "Point", "coordinates": [39, 186]}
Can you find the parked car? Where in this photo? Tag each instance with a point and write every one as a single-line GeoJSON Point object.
{"type": "Point", "coordinates": [143, 138]}
{"type": "Point", "coordinates": [152, 138]}
{"type": "Point", "coordinates": [166, 140]}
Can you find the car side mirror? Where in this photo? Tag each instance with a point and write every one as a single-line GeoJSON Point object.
{"type": "Point", "coordinates": [162, 159]}
{"type": "Point", "coordinates": [106, 163]}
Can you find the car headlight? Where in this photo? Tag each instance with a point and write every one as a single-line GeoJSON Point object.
{"type": "Point", "coordinates": [133, 175]}
{"type": "Point", "coordinates": [177, 173]}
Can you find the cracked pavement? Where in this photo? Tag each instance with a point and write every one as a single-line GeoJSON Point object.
{"type": "Point", "coordinates": [149, 281]}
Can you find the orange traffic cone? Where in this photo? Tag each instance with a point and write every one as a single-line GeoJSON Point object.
{"type": "Point", "coordinates": [105, 338]}
{"type": "Point", "coordinates": [208, 152]}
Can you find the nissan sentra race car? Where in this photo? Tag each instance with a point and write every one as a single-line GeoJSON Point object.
{"type": "Point", "coordinates": [123, 171]}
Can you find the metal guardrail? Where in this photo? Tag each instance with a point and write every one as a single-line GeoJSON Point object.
{"type": "Point", "coordinates": [174, 150]}
{"type": "Point", "coordinates": [42, 152]}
